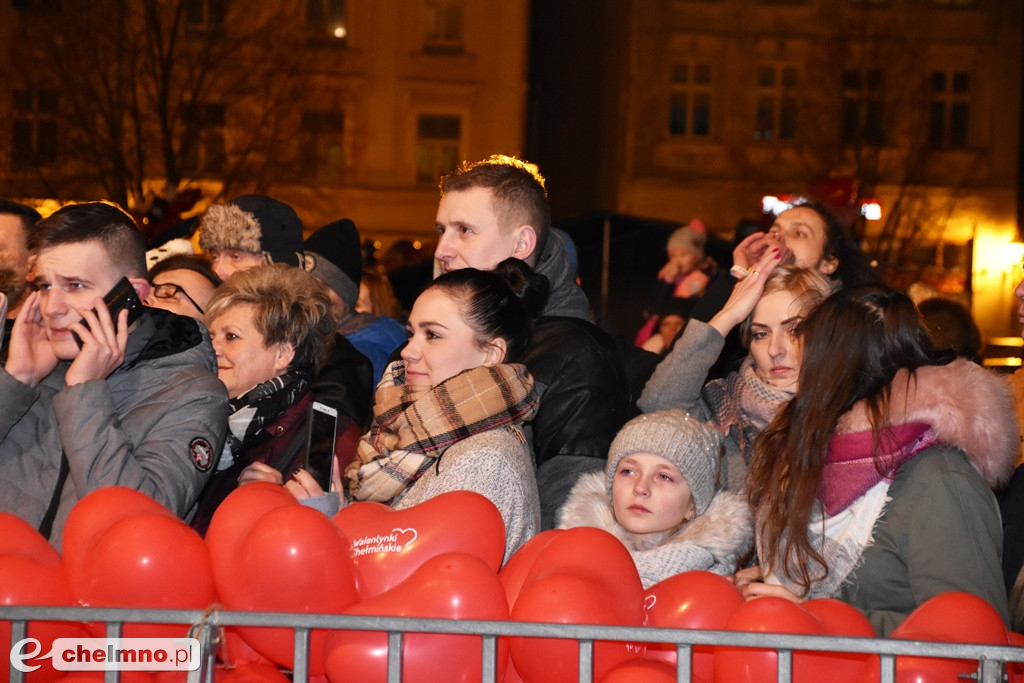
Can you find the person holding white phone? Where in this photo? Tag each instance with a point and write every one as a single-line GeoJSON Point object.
{"type": "Point", "coordinates": [272, 329]}
{"type": "Point", "coordinates": [448, 415]}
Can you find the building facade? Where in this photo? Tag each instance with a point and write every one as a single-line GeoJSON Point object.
{"type": "Point", "coordinates": [341, 108]}
{"type": "Point", "coordinates": [710, 105]}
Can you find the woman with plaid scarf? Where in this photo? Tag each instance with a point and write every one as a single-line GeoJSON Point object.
{"type": "Point", "coordinates": [447, 416]}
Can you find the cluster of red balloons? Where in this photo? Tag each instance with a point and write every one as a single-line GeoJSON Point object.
{"type": "Point", "coordinates": [265, 552]}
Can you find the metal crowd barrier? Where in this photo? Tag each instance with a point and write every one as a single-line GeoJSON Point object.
{"type": "Point", "coordinates": [991, 659]}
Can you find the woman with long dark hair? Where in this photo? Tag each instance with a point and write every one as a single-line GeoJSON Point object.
{"type": "Point", "coordinates": [873, 484]}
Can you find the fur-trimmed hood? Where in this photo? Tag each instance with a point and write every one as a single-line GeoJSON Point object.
{"type": "Point", "coordinates": [726, 529]}
{"type": "Point", "coordinates": [967, 407]}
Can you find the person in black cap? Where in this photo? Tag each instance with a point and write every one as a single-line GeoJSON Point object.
{"type": "Point", "coordinates": [249, 231]}
{"type": "Point", "coordinates": [334, 256]}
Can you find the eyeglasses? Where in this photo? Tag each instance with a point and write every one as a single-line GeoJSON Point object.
{"type": "Point", "coordinates": [169, 290]}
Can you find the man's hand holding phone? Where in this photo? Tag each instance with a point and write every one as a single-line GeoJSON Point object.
{"type": "Point", "coordinates": [104, 341]}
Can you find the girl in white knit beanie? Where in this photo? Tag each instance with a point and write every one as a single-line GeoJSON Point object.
{"type": "Point", "coordinates": [658, 495]}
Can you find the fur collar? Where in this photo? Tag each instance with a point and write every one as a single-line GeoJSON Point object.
{"type": "Point", "coordinates": [726, 529]}
{"type": "Point", "coordinates": [966, 406]}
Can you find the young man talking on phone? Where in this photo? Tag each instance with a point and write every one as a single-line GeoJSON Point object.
{"type": "Point", "coordinates": [87, 400]}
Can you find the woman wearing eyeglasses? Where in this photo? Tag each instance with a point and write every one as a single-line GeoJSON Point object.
{"type": "Point", "coordinates": [182, 284]}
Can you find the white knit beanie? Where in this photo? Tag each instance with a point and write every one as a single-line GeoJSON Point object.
{"type": "Point", "coordinates": [686, 442]}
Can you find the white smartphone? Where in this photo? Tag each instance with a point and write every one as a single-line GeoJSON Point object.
{"type": "Point", "coordinates": [321, 431]}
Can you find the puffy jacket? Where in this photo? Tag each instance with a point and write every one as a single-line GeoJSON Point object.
{"type": "Point", "coordinates": [156, 424]}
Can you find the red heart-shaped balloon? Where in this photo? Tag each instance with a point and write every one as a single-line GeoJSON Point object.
{"type": "Point", "coordinates": [94, 514]}
{"type": "Point", "coordinates": [448, 586]}
{"type": "Point", "coordinates": [766, 615]}
{"type": "Point", "coordinates": [582, 576]}
{"type": "Point", "coordinates": [146, 560]}
{"type": "Point", "coordinates": [292, 560]}
{"type": "Point", "coordinates": [25, 581]}
{"type": "Point", "coordinates": [388, 545]}
{"type": "Point", "coordinates": [697, 600]}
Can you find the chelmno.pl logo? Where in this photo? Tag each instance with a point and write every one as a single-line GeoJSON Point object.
{"type": "Point", "coordinates": [109, 654]}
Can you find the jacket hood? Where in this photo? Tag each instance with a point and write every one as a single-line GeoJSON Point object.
{"type": "Point", "coordinates": [566, 299]}
{"type": "Point", "coordinates": [726, 529]}
{"type": "Point", "coordinates": [161, 334]}
{"type": "Point", "coordinates": [965, 405]}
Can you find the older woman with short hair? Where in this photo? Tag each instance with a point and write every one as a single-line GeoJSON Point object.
{"type": "Point", "coordinates": [272, 330]}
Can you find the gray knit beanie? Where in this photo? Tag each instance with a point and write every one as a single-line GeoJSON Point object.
{"type": "Point", "coordinates": [684, 441]}
{"type": "Point", "coordinates": [693, 237]}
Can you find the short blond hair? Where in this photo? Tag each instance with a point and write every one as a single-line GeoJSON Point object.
{"type": "Point", "coordinates": [290, 306]}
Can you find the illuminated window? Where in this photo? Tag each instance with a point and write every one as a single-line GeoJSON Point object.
{"type": "Point", "coordinates": [323, 138]}
{"type": "Point", "coordinates": [690, 99]}
{"type": "Point", "coordinates": [208, 152]}
{"type": "Point", "coordinates": [437, 147]}
{"type": "Point", "coordinates": [326, 23]}
{"type": "Point", "coordinates": [863, 106]}
{"type": "Point", "coordinates": [204, 14]}
{"type": "Point", "coordinates": [775, 117]}
{"type": "Point", "coordinates": [34, 129]}
{"type": "Point", "coordinates": [443, 22]}
{"type": "Point", "coordinates": [950, 109]}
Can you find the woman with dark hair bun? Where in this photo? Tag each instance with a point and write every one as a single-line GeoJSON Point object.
{"type": "Point", "coordinates": [447, 416]}
{"type": "Point", "coordinates": [873, 484]}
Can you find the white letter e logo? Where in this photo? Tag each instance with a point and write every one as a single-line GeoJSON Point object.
{"type": "Point", "coordinates": [18, 657]}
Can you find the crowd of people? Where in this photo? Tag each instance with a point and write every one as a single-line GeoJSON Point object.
{"type": "Point", "coordinates": [801, 434]}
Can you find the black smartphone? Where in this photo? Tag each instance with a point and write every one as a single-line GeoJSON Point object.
{"type": "Point", "coordinates": [321, 431]}
{"type": "Point", "coordinates": [121, 296]}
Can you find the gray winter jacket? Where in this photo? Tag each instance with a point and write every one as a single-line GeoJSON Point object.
{"type": "Point", "coordinates": [156, 424]}
{"type": "Point", "coordinates": [714, 541]}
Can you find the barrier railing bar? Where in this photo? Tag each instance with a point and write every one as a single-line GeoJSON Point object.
{"type": "Point", "coordinates": [300, 664]}
{"type": "Point", "coordinates": [113, 630]}
{"type": "Point", "coordinates": [887, 667]}
{"type": "Point", "coordinates": [991, 657]}
{"type": "Point", "coordinates": [19, 631]}
{"type": "Point", "coordinates": [684, 663]}
{"type": "Point", "coordinates": [586, 660]}
{"type": "Point", "coordinates": [785, 670]}
{"type": "Point", "coordinates": [395, 657]}
{"type": "Point", "coordinates": [489, 660]}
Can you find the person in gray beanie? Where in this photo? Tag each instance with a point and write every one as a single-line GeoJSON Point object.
{"type": "Point", "coordinates": [659, 495]}
{"type": "Point", "coordinates": [333, 255]}
{"type": "Point", "coordinates": [249, 231]}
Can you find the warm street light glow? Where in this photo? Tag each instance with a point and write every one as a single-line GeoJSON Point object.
{"type": "Point", "coordinates": [871, 210]}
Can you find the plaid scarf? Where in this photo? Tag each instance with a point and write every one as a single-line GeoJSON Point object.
{"type": "Point", "coordinates": [413, 425]}
{"type": "Point", "coordinates": [748, 404]}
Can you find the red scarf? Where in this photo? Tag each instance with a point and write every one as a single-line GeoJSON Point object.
{"type": "Point", "coordinates": [851, 467]}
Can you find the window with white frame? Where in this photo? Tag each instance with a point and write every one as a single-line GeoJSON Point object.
{"type": "Point", "coordinates": [863, 106]}
{"type": "Point", "coordinates": [438, 139]}
{"type": "Point", "coordinates": [208, 153]}
{"type": "Point", "coordinates": [326, 23]}
{"type": "Point", "coordinates": [444, 26]}
{"type": "Point", "coordinates": [205, 15]}
{"type": "Point", "coordinates": [323, 144]}
{"type": "Point", "coordinates": [690, 99]}
{"type": "Point", "coordinates": [949, 114]}
{"type": "Point", "coordinates": [775, 116]}
{"type": "Point", "coordinates": [33, 129]}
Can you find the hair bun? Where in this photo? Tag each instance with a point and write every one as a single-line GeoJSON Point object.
{"type": "Point", "coordinates": [529, 286]}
